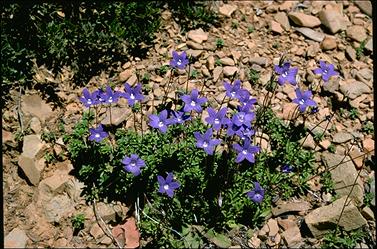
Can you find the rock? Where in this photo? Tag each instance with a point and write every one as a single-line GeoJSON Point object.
{"type": "Point", "coordinates": [33, 105]}
{"type": "Point", "coordinates": [332, 86]}
{"type": "Point", "coordinates": [197, 35]}
{"type": "Point", "coordinates": [328, 43]}
{"type": "Point", "coordinates": [205, 71]}
{"type": "Point", "coordinates": [287, 222]}
{"type": "Point", "coordinates": [365, 6]}
{"type": "Point", "coordinates": [106, 212]}
{"type": "Point", "coordinates": [194, 54]}
{"type": "Point", "coordinates": [254, 242]}
{"type": "Point", "coordinates": [350, 53]}
{"type": "Point", "coordinates": [74, 188]}
{"type": "Point", "coordinates": [132, 80]}
{"type": "Point", "coordinates": [106, 241]}
{"type": "Point", "coordinates": [354, 89]}
{"type": "Point", "coordinates": [373, 191]}
{"type": "Point", "coordinates": [276, 27]}
{"type": "Point", "coordinates": [7, 137]}
{"type": "Point", "coordinates": [35, 125]}
{"type": "Point", "coordinates": [341, 137]}
{"type": "Point", "coordinates": [55, 184]}
{"type": "Point", "coordinates": [58, 207]}
{"type": "Point", "coordinates": [33, 146]}
{"type": "Point", "coordinates": [308, 143]}
{"type": "Point", "coordinates": [311, 34]}
{"type": "Point", "coordinates": [367, 213]}
{"type": "Point", "coordinates": [368, 145]}
{"type": "Point", "coordinates": [96, 231]}
{"type": "Point", "coordinates": [216, 73]}
{"type": "Point", "coordinates": [286, 5]}
{"type": "Point", "coordinates": [15, 239]}
{"type": "Point", "coordinates": [194, 45]}
{"type": "Point", "coordinates": [125, 75]}
{"type": "Point", "coordinates": [262, 61]}
{"type": "Point", "coordinates": [60, 243]}
{"type": "Point", "coordinates": [343, 176]}
{"type": "Point", "coordinates": [357, 33]}
{"type": "Point", "coordinates": [288, 111]}
{"type": "Point", "coordinates": [32, 168]}
{"type": "Point", "coordinates": [227, 9]}
{"type": "Point", "coordinates": [304, 20]}
{"type": "Point", "coordinates": [227, 61]}
{"type": "Point", "coordinates": [273, 227]}
{"type": "Point", "coordinates": [211, 62]}
{"type": "Point", "coordinates": [357, 157]}
{"type": "Point", "coordinates": [229, 71]}
{"type": "Point", "coordinates": [369, 45]}
{"type": "Point", "coordinates": [118, 116]}
{"type": "Point", "coordinates": [332, 20]}
{"type": "Point", "coordinates": [287, 207]}
{"type": "Point", "coordinates": [282, 18]}
{"type": "Point", "coordinates": [366, 73]}
{"type": "Point", "coordinates": [324, 219]}
{"type": "Point", "coordinates": [292, 236]}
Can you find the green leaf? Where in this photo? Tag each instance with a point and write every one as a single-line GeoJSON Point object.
{"type": "Point", "coordinates": [218, 239]}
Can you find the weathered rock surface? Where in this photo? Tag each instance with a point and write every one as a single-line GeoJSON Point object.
{"type": "Point", "coordinates": [287, 207]}
{"type": "Point", "coordinates": [344, 176]}
{"type": "Point", "coordinates": [197, 35]}
{"type": "Point", "coordinates": [282, 18]}
{"type": "Point", "coordinates": [34, 105]}
{"type": "Point", "coordinates": [365, 6]}
{"type": "Point", "coordinates": [357, 33]}
{"type": "Point", "coordinates": [304, 20]}
{"type": "Point", "coordinates": [229, 71]}
{"type": "Point", "coordinates": [15, 239]}
{"type": "Point", "coordinates": [324, 219]}
{"type": "Point", "coordinates": [311, 34]}
{"type": "Point", "coordinates": [58, 207]}
{"type": "Point", "coordinates": [354, 89]}
{"type": "Point", "coordinates": [332, 20]}
{"type": "Point", "coordinates": [227, 9]}
{"type": "Point", "coordinates": [341, 137]}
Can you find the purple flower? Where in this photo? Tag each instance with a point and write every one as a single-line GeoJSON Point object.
{"type": "Point", "coordinates": [89, 99]}
{"type": "Point", "coordinates": [233, 91]}
{"type": "Point", "coordinates": [97, 134]}
{"type": "Point", "coordinates": [257, 194]}
{"type": "Point", "coordinates": [245, 98]}
{"type": "Point", "coordinates": [167, 185]}
{"type": "Point", "coordinates": [326, 70]}
{"type": "Point", "coordinates": [193, 102]}
{"type": "Point", "coordinates": [246, 151]}
{"type": "Point", "coordinates": [133, 164]}
{"type": "Point", "coordinates": [286, 168]}
{"type": "Point", "coordinates": [243, 118]}
{"type": "Point", "coordinates": [109, 96]}
{"type": "Point", "coordinates": [132, 94]}
{"type": "Point", "coordinates": [206, 142]}
{"type": "Point", "coordinates": [179, 61]}
{"type": "Point", "coordinates": [245, 133]}
{"type": "Point", "coordinates": [216, 119]}
{"type": "Point", "coordinates": [303, 99]}
{"type": "Point", "coordinates": [160, 122]}
{"type": "Point", "coordinates": [179, 117]}
{"type": "Point", "coordinates": [233, 129]}
{"type": "Point", "coordinates": [286, 74]}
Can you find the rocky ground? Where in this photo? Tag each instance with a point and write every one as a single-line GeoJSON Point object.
{"type": "Point", "coordinates": [41, 197]}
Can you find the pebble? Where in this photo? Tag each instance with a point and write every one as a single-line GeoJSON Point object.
{"type": "Point", "coordinates": [341, 137]}
{"type": "Point", "coordinates": [282, 18]}
{"type": "Point", "coordinates": [328, 43]}
{"type": "Point", "coordinates": [227, 9]}
{"type": "Point", "coordinates": [216, 73]}
{"type": "Point", "coordinates": [332, 20]}
{"type": "Point", "coordinates": [229, 71]}
{"type": "Point", "coordinates": [15, 239]}
{"type": "Point", "coordinates": [311, 34]}
{"type": "Point", "coordinates": [350, 53]}
{"type": "Point", "coordinates": [262, 61]}
{"type": "Point", "coordinates": [276, 27]}
{"type": "Point", "coordinates": [197, 35]}
{"type": "Point", "coordinates": [365, 6]}
{"type": "Point", "coordinates": [356, 33]}
{"type": "Point", "coordinates": [227, 61]}
{"type": "Point", "coordinates": [304, 20]}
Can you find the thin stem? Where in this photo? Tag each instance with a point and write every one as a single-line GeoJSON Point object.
{"type": "Point", "coordinates": [188, 78]}
{"type": "Point", "coordinates": [110, 115]}
{"type": "Point", "coordinates": [167, 87]}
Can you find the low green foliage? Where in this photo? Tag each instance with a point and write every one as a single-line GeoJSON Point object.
{"type": "Point", "coordinates": [219, 43]}
{"type": "Point", "coordinates": [368, 127]}
{"type": "Point", "coordinates": [331, 148]}
{"type": "Point", "coordinates": [253, 76]}
{"type": "Point", "coordinates": [360, 49]}
{"type": "Point", "coordinates": [250, 29]}
{"type": "Point", "coordinates": [343, 239]}
{"type": "Point", "coordinates": [78, 221]}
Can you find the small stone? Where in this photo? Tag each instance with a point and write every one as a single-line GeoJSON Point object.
{"type": "Point", "coordinates": [60, 243]}
{"type": "Point", "coordinates": [287, 207]}
{"type": "Point", "coordinates": [205, 71]}
{"type": "Point", "coordinates": [365, 6]}
{"type": "Point", "coordinates": [357, 157]}
{"type": "Point", "coordinates": [96, 231]}
{"type": "Point", "coordinates": [323, 219]}
{"type": "Point", "coordinates": [33, 146]}
{"type": "Point", "coordinates": [193, 53]}
{"type": "Point", "coordinates": [254, 242]}
{"type": "Point", "coordinates": [211, 62]}
{"type": "Point", "coordinates": [227, 9]}
{"type": "Point", "coordinates": [288, 111]}
{"type": "Point", "coordinates": [311, 34]}
{"type": "Point", "coordinates": [227, 61]}
{"type": "Point", "coordinates": [107, 213]}
{"type": "Point", "coordinates": [325, 144]}
{"type": "Point", "coordinates": [328, 43]}
{"type": "Point", "coordinates": [292, 236]}
{"type": "Point", "coordinates": [30, 169]}
{"type": "Point", "coordinates": [286, 5]}
{"type": "Point", "coordinates": [368, 145]}
{"type": "Point", "coordinates": [354, 89]}
{"type": "Point", "coordinates": [282, 18]}
{"type": "Point", "coordinates": [369, 45]}
{"type": "Point", "coordinates": [273, 227]}
{"type": "Point", "coordinates": [367, 213]}
{"type": "Point", "coordinates": [229, 71]}
{"type": "Point", "coordinates": [132, 80]}
{"type": "Point", "coordinates": [216, 73]}
{"type": "Point", "coordinates": [125, 75]}
{"type": "Point", "coordinates": [58, 207]}
{"type": "Point", "coordinates": [35, 125]}
{"type": "Point", "coordinates": [332, 20]}
{"type": "Point", "coordinates": [106, 241]}
{"type": "Point", "coordinates": [194, 45]}
{"type": "Point", "coordinates": [262, 61]}
{"type": "Point", "coordinates": [357, 33]}
{"type": "Point", "coordinates": [309, 142]}
{"type": "Point", "coordinates": [351, 53]}
{"type": "Point", "coordinates": [341, 137]}
{"type": "Point", "coordinates": [304, 20]}
{"type": "Point", "coordinates": [15, 239]}
{"type": "Point", "coordinates": [33, 105]}
{"type": "Point", "coordinates": [7, 136]}
{"type": "Point", "coordinates": [118, 116]}
{"type": "Point", "coordinates": [276, 27]}
{"type": "Point", "coordinates": [54, 184]}
{"type": "Point", "coordinates": [197, 35]}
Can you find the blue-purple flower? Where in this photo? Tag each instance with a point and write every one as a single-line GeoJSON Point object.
{"type": "Point", "coordinates": [160, 121]}
{"type": "Point", "coordinates": [179, 117]}
{"type": "Point", "coordinates": [206, 142]}
{"type": "Point", "coordinates": [233, 129]}
{"type": "Point", "coordinates": [245, 98]}
{"type": "Point", "coordinates": [193, 102]}
{"type": "Point", "coordinates": [217, 119]}
{"type": "Point", "coordinates": [257, 194]}
{"type": "Point", "coordinates": [97, 134]}
{"type": "Point", "coordinates": [109, 96]}
{"type": "Point", "coordinates": [286, 168]}
{"type": "Point", "coordinates": [132, 94]}
{"type": "Point", "coordinates": [304, 99]}
{"type": "Point", "coordinates": [326, 70]}
{"type": "Point", "coordinates": [179, 61]}
{"type": "Point", "coordinates": [286, 73]}
{"type": "Point", "coordinates": [245, 133]}
{"type": "Point", "coordinates": [243, 118]}
{"type": "Point", "coordinates": [133, 164]}
{"type": "Point", "coordinates": [89, 99]}
{"type": "Point", "coordinates": [246, 151]}
{"type": "Point", "coordinates": [233, 91]}
{"type": "Point", "coordinates": [167, 185]}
